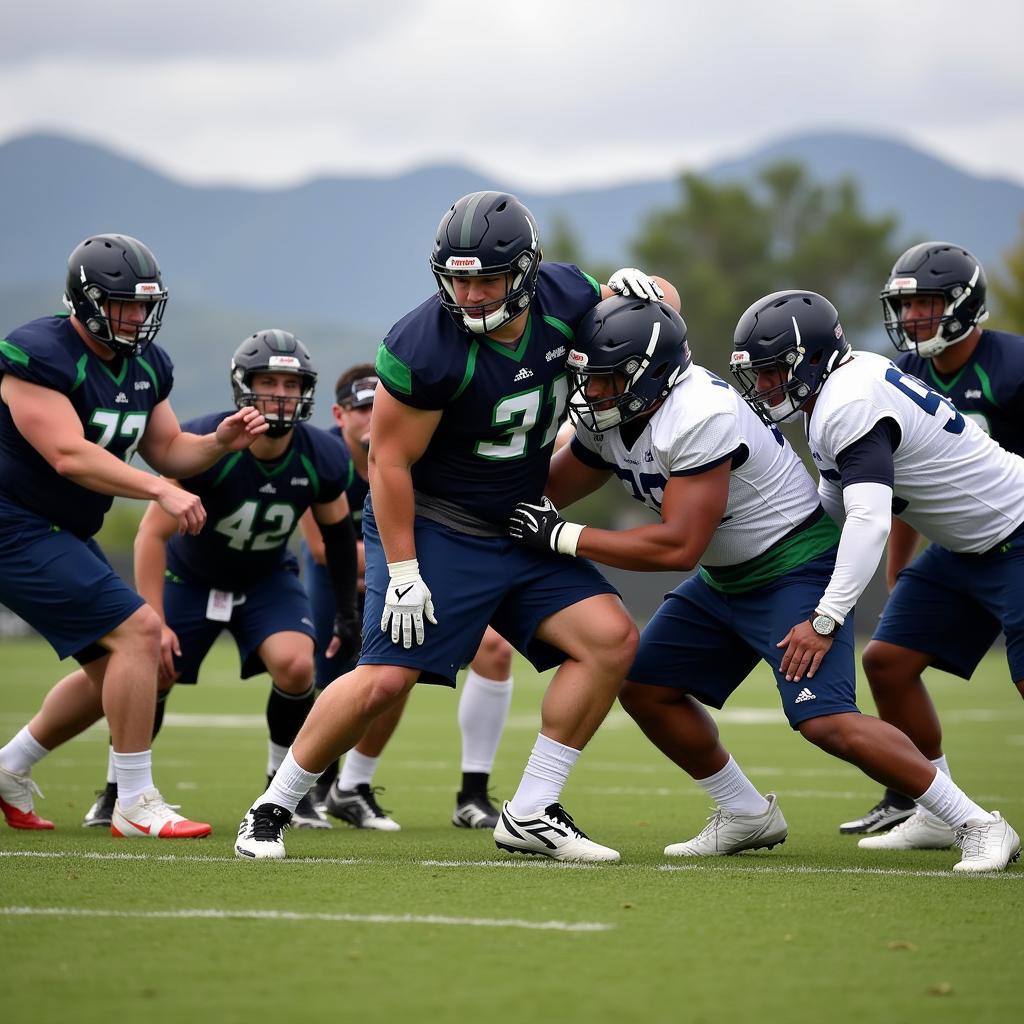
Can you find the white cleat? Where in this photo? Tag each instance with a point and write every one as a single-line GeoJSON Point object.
{"type": "Point", "coordinates": [261, 833]}
{"type": "Point", "coordinates": [987, 845]}
{"type": "Point", "coordinates": [727, 833]}
{"type": "Point", "coordinates": [550, 832]}
{"type": "Point", "coordinates": [152, 818]}
{"type": "Point", "coordinates": [921, 831]}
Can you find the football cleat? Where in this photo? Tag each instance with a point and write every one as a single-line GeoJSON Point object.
{"type": "Point", "coordinates": [150, 817]}
{"type": "Point", "coordinates": [308, 815]}
{"type": "Point", "coordinates": [727, 833]}
{"type": "Point", "coordinates": [550, 832]}
{"type": "Point", "coordinates": [474, 810]}
{"type": "Point", "coordinates": [16, 801]}
{"type": "Point", "coordinates": [261, 833]}
{"type": "Point", "coordinates": [359, 808]}
{"type": "Point", "coordinates": [987, 845]}
{"type": "Point", "coordinates": [892, 809]}
{"type": "Point", "coordinates": [102, 811]}
{"type": "Point", "coordinates": [921, 831]}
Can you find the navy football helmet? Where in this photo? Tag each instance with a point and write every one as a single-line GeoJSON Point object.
{"type": "Point", "coordinates": [106, 269]}
{"type": "Point", "coordinates": [487, 234]}
{"type": "Point", "coordinates": [641, 345]}
{"type": "Point", "coordinates": [948, 272]}
{"type": "Point", "coordinates": [797, 332]}
{"type": "Point", "coordinates": [274, 351]}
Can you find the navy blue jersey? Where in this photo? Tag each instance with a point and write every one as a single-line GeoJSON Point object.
{"type": "Point", "coordinates": [252, 507]}
{"type": "Point", "coordinates": [502, 406]}
{"type": "Point", "coordinates": [988, 388]}
{"type": "Point", "coordinates": [113, 400]}
{"type": "Point", "coordinates": [357, 489]}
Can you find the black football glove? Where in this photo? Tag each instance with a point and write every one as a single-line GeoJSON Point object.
{"type": "Point", "coordinates": [541, 526]}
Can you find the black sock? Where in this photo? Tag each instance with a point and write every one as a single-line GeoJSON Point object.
{"type": "Point", "coordinates": [474, 783]}
{"type": "Point", "coordinates": [898, 799]}
{"type": "Point", "coordinates": [285, 714]}
{"type": "Point", "coordinates": [161, 706]}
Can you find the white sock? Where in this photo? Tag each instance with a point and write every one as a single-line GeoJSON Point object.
{"type": "Point", "coordinates": [22, 752]}
{"type": "Point", "coordinates": [949, 803]}
{"type": "Point", "coordinates": [546, 773]}
{"type": "Point", "coordinates": [732, 791]}
{"type": "Point", "coordinates": [275, 755]}
{"type": "Point", "coordinates": [356, 770]}
{"type": "Point", "coordinates": [111, 770]}
{"type": "Point", "coordinates": [483, 711]}
{"type": "Point", "coordinates": [289, 785]}
{"type": "Point", "coordinates": [941, 763]}
{"type": "Point", "coordinates": [134, 775]}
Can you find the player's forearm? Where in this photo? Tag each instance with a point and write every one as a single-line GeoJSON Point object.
{"type": "Point", "coordinates": [186, 455]}
{"type": "Point", "coordinates": [644, 549]}
{"type": "Point", "coordinates": [860, 547]}
{"type": "Point", "coordinates": [394, 509]}
{"type": "Point", "coordinates": [150, 569]}
{"type": "Point", "coordinates": [94, 468]}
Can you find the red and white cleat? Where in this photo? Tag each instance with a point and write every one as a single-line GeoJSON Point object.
{"type": "Point", "coordinates": [150, 817]}
{"type": "Point", "coordinates": [16, 792]}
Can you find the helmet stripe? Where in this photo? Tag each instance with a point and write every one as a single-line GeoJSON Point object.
{"type": "Point", "coordinates": [466, 232]}
{"type": "Point", "coordinates": [140, 255]}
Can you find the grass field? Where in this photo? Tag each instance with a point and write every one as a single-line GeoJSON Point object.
{"type": "Point", "coordinates": [433, 924]}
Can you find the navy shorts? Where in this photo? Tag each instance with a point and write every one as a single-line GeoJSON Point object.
{"type": "Point", "coordinates": [62, 586]}
{"type": "Point", "coordinates": [277, 604]}
{"type": "Point", "coordinates": [706, 643]}
{"type": "Point", "coordinates": [321, 602]}
{"type": "Point", "coordinates": [474, 581]}
{"type": "Point", "coordinates": [952, 607]}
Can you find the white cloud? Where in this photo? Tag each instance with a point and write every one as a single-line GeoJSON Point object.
{"type": "Point", "coordinates": [543, 93]}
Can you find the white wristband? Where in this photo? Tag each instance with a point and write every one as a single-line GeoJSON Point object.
{"type": "Point", "coordinates": [407, 570]}
{"type": "Point", "coordinates": [568, 538]}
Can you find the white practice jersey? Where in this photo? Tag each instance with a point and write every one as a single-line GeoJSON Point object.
{"type": "Point", "coordinates": [952, 483]}
{"type": "Point", "coordinates": [701, 423]}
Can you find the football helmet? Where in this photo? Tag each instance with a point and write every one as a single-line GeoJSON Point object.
{"type": "Point", "coordinates": [797, 332]}
{"type": "Point", "coordinates": [106, 269]}
{"type": "Point", "coordinates": [487, 234]}
{"type": "Point", "coordinates": [274, 351]}
{"type": "Point", "coordinates": [641, 346]}
{"type": "Point", "coordinates": [947, 272]}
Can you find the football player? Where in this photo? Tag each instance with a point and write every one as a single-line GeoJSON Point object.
{"type": "Point", "coordinates": [81, 393]}
{"type": "Point", "coordinates": [934, 304]}
{"type": "Point", "coordinates": [884, 442]}
{"type": "Point", "coordinates": [237, 574]}
{"type": "Point", "coordinates": [472, 392]}
{"type": "Point", "coordinates": [486, 691]}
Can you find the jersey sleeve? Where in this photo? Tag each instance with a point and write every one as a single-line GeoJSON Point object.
{"type": "Point", "coordinates": [333, 466]}
{"type": "Point", "coordinates": [567, 289]}
{"type": "Point", "coordinates": [712, 441]}
{"type": "Point", "coordinates": [584, 449]}
{"type": "Point", "coordinates": [33, 353]}
{"type": "Point", "coordinates": [856, 417]}
{"type": "Point", "coordinates": [205, 425]}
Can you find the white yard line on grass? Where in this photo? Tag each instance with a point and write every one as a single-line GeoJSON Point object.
{"type": "Point", "coordinates": [206, 914]}
{"type": "Point", "coordinates": [519, 863]}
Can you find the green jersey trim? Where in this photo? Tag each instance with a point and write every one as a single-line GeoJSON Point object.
{"type": "Point", "coordinates": [986, 386]}
{"type": "Point", "coordinates": [593, 282]}
{"type": "Point", "coordinates": [311, 473]}
{"type": "Point", "coordinates": [152, 374]}
{"type": "Point", "coordinates": [474, 349]}
{"type": "Point", "coordinates": [14, 353]}
{"type": "Point", "coordinates": [786, 554]}
{"type": "Point", "coordinates": [560, 325]}
{"type": "Point", "coordinates": [80, 367]}
{"type": "Point", "coordinates": [516, 354]}
{"type": "Point", "coordinates": [273, 471]}
{"type": "Point", "coordinates": [119, 378]}
{"type": "Point", "coordinates": [390, 368]}
{"type": "Point", "coordinates": [227, 467]}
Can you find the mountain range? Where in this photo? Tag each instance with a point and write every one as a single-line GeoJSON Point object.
{"type": "Point", "coordinates": [338, 259]}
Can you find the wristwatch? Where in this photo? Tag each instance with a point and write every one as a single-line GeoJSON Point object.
{"type": "Point", "coordinates": [823, 625]}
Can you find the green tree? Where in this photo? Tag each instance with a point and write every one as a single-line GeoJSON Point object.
{"type": "Point", "coordinates": [1008, 290]}
{"type": "Point", "coordinates": [725, 245]}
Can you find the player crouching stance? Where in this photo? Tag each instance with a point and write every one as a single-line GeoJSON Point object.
{"type": "Point", "coordinates": [735, 499]}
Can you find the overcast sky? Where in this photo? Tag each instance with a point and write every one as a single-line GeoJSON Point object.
{"type": "Point", "coordinates": [547, 94]}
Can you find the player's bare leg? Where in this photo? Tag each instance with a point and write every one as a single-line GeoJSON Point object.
{"type": "Point", "coordinates": [600, 640]}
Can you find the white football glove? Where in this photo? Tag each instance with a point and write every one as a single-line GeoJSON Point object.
{"type": "Point", "coordinates": [406, 601]}
{"type": "Point", "coordinates": [634, 283]}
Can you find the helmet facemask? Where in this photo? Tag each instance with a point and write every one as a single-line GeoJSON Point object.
{"type": "Point", "coordinates": [520, 281]}
{"type": "Point", "coordinates": [104, 315]}
{"type": "Point", "coordinates": [281, 412]}
{"type": "Point", "coordinates": [928, 336]}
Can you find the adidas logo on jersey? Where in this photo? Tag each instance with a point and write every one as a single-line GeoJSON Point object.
{"type": "Point", "coordinates": [300, 481]}
{"type": "Point", "coordinates": [122, 398]}
{"type": "Point", "coordinates": [803, 695]}
{"type": "Point", "coordinates": [524, 374]}
{"type": "Point", "coordinates": [268, 489]}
